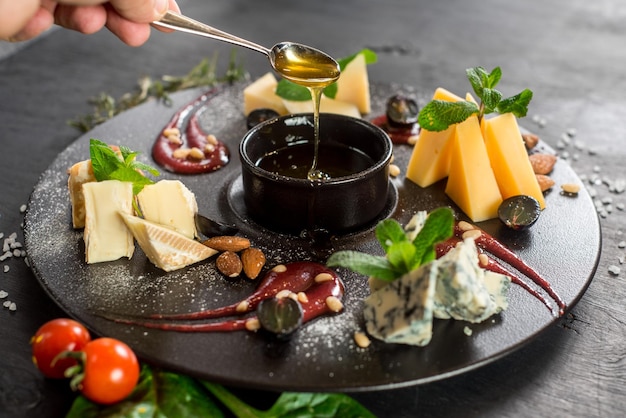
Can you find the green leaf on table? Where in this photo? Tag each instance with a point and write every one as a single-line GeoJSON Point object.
{"type": "Point", "coordinates": [292, 405]}
{"type": "Point", "coordinates": [158, 394]}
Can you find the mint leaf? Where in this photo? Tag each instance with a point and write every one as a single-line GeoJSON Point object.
{"type": "Point", "coordinates": [363, 263]}
{"type": "Point", "coordinates": [438, 115]}
{"type": "Point", "coordinates": [389, 232]}
{"type": "Point", "coordinates": [439, 226]}
{"type": "Point", "coordinates": [109, 164]}
{"type": "Point", "coordinates": [494, 78]}
{"type": "Point", "coordinates": [403, 257]}
{"type": "Point", "coordinates": [518, 104]}
{"type": "Point", "coordinates": [490, 99]}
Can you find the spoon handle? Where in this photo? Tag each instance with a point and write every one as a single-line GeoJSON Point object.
{"type": "Point", "coordinates": [182, 23]}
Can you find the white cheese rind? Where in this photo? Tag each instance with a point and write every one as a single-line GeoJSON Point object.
{"type": "Point", "coordinates": [170, 203]}
{"type": "Point", "coordinates": [164, 247]}
{"type": "Point", "coordinates": [402, 311]}
{"type": "Point", "coordinates": [106, 236]}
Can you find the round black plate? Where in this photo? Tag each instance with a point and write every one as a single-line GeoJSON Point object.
{"type": "Point", "coordinates": [564, 246]}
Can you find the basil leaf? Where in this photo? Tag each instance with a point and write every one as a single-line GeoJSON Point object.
{"type": "Point", "coordinates": [158, 394]}
{"type": "Point", "coordinates": [518, 104]}
{"type": "Point", "coordinates": [438, 115]}
{"type": "Point", "coordinates": [389, 232]}
{"type": "Point", "coordinates": [363, 263]}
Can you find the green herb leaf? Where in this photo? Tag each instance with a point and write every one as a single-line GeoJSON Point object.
{"type": "Point", "coordinates": [402, 256]}
{"type": "Point", "coordinates": [438, 227]}
{"type": "Point", "coordinates": [438, 115]}
{"type": "Point", "coordinates": [109, 164]}
{"type": "Point", "coordinates": [518, 104]}
{"type": "Point", "coordinates": [158, 394]}
{"type": "Point", "coordinates": [389, 232]}
{"type": "Point", "coordinates": [204, 74]}
{"type": "Point", "coordinates": [363, 263]}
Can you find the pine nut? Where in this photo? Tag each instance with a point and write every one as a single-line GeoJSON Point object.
{"type": "Point", "coordinates": [361, 339]}
{"type": "Point", "coordinates": [334, 304]}
{"type": "Point", "coordinates": [323, 277]}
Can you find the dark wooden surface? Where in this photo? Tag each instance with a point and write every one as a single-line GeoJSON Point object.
{"type": "Point", "coordinates": [570, 53]}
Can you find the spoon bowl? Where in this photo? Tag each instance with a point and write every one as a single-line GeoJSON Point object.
{"type": "Point", "coordinates": [296, 62]}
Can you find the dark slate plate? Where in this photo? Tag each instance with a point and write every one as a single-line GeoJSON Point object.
{"type": "Point", "coordinates": [564, 246]}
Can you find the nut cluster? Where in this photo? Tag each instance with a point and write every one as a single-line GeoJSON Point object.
{"type": "Point", "coordinates": [237, 256]}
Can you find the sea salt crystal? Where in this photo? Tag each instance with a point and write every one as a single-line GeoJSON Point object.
{"type": "Point", "coordinates": [614, 270]}
{"type": "Point", "coordinates": [6, 269]}
{"type": "Point", "coordinates": [22, 208]}
{"type": "Point", "coordinates": [467, 331]}
{"type": "Point", "coordinates": [3, 294]}
{"type": "Point", "coordinates": [621, 244]}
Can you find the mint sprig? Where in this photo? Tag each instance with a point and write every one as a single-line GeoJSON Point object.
{"type": "Point", "coordinates": [294, 92]}
{"type": "Point", "coordinates": [402, 254]}
{"type": "Point", "coordinates": [438, 115]}
{"type": "Point", "coordinates": [109, 164]}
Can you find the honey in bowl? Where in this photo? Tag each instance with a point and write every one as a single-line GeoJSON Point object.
{"type": "Point", "coordinates": [334, 159]}
{"type": "Point", "coordinates": [355, 152]}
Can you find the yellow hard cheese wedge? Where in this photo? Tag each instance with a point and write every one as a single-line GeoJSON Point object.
{"type": "Point", "coordinates": [353, 85]}
{"type": "Point", "coordinates": [170, 203]}
{"type": "Point", "coordinates": [509, 159]}
{"type": "Point", "coordinates": [261, 94]}
{"type": "Point", "coordinates": [327, 105]}
{"type": "Point", "coordinates": [430, 160]}
{"type": "Point", "coordinates": [471, 183]}
{"type": "Point", "coordinates": [106, 237]}
{"type": "Point", "coordinates": [166, 248]}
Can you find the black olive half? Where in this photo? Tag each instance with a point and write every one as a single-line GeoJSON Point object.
{"type": "Point", "coordinates": [402, 110]}
{"type": "Point", "coordinates": [260, 115]}
{"type": "Point", "coordinates": [280, 316]}
{"type": "Point", "coordinates": [519, 212]}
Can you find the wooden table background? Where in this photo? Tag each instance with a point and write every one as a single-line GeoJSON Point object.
{"type": "Point", "coordinates": [570, 53]}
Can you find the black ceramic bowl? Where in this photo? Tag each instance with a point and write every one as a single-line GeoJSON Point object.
{"type": "Point", "coordinates": [357, 152]}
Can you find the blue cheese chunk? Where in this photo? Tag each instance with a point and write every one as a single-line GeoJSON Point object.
{"type": "Point", "coordinates": [402, 311]}
{"type": "Point", "coordinates": [462, 292]}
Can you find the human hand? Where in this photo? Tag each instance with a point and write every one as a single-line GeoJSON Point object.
{"type": "Point", "coordinates": [128, 19]}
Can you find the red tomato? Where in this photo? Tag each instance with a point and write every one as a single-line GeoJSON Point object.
{"type": "Point", "coordinates": [53, 338]}
{"type": "Point", "coordinates": [111, 371]}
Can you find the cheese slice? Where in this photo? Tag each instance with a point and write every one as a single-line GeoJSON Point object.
{"type": "Point", "coordinates": [353, 85]}
{"type": "Point", "coordinates": [170, 203]}
{"type": "Point", "coordinates": [471, 183]}
{"type": "Point", "coordinates": [79, 174]}
{"type": "Point", "coordinates": [261, 94]}
{"type": "Point", "coordinates": [164, 247]}
{"type": "Point", "coordinates": [327, 105]}
{"type": "Point", "coordinates": [430, 159]}
{"type": "Point", "coordinates": [509, 159]}
{"type": "Point", "coordinates": [402, 311]}
{"type": "Point", "coordinates": [106, 236]}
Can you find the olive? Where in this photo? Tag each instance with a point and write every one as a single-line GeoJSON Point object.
{"type": "Point", "coordinates": [402, 110]}
{"type": "Point", "coordinates": [260, 115]}
{"type": "Point", "coordinates": [519, 212]}
{"type": "Point", "coordinates": [280, 316]}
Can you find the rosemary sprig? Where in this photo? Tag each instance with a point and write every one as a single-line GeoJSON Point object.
{"type": "Point", "coordinates": [203, 74]}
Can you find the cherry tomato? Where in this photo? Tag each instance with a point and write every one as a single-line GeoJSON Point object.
{"type": "Point", "coordinates": [111, 371]}
{"type": "Point", "coordinates": [53, 338]}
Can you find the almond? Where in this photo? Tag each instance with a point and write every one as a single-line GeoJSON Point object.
{"type": "Point", "coordinates": [530, 140]}
{"type": "Point", "coordinates": [227, 243]}
{"type": "Point", "coordinates": [253, 261]}
{"type": "Point", "coordinates": [229, 264]}
{"type": "Point", "coordinates": [542, 163]}
{"type": "Point", "coordinates": [545, 182]}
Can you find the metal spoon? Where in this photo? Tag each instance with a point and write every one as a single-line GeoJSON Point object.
{"type": "Point", "coordinates": [298, 63]}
